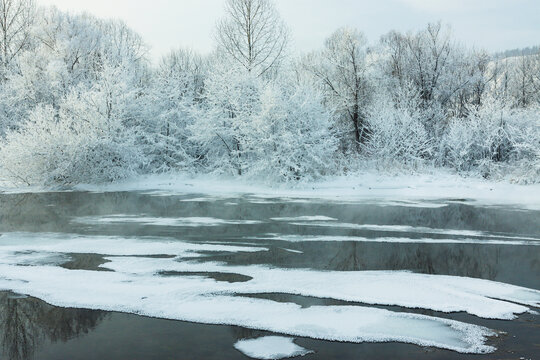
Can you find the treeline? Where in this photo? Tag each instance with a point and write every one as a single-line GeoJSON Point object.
{"type": "Point", "coordinates": [80, 102]}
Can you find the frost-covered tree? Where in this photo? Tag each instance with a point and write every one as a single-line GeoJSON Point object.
{"type": "Point", "coordinates": [471, 77]}
{"type": "Point", "coordinates": [432, 63]}
{"type": "Point", "coordinates": [526, 82]}
{"type": "Point", "coordinates": [16, 20]}
{"type": "Point", "coordinates": [77, 105]}
{"type": "Point", "coordinates": [121, 44]}
{"type": "Point", "coordinates": [177, 85]}
{"type": "Point", "coordinates": [341, 69]}
{"type": "Point", "coordinates": [69, 51]}
{"type": "Point", "coordinates": [252, 35]}
{"type": "Point", "coordinates": [493, 137]}
{"type": "Point", "coordinates": [398, 134]}
{"type": "Point", "coordinates": [75, 145]}
{"type": "Point", "coordinates": [80, 102]}
{"type": "Point", "coordinates": [294, 134]}
{"type": "Point", "coordinates": [421, 58]}
{"type": "Point", "coordinates": [272, 130]}
{"type": "Point", "coordinates": [223, 123]}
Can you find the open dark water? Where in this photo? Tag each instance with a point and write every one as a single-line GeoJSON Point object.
{"type": "Point", "coordinates": [33, 329]}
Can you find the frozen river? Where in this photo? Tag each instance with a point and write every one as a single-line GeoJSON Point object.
{"type": "Point", "coordinates": [165, 276]}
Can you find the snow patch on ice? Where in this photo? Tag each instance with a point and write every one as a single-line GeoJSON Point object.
{"type": "Point", "coordinates": [407, 229]}
{"type": "Point", "coordinates": [483, 298]}
{"type": "Point", "coordinates": [195, 299]}
{"type": "Point", "coordinates": [414, 204]}
{"type": "Point", "coordinates": [21, 248]}
{"type": "Point", "coordinates": [305, 218]}
{"type": "Point", "coordinates": [205, 199]}
{"type": "Point", "coordinates": [136, 286]}
{"type": "Point", "coordinates": [270, 348]}
{"type": "Point", "coordinates": [161, 221]}
{"type": "Point", "coordinates": [292, 251]}
{"type": "Point", "coordinates": [401, 240]}
{"type": "Point", "coordinates": [32, 258]}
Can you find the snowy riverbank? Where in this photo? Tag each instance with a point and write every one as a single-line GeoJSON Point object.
{"type": "Point", "coordinates": [426, 189]}
{"type": "Point", "coordinates": [409, 189]}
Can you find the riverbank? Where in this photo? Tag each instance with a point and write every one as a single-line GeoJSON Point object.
{"type": "Point", "coordinates": [432, 187]}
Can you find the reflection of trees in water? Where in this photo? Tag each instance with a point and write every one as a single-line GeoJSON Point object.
{"type": "Point", "coordinates": [51, 212]}
{"type": "Point", "coordinates": [513, 264]}
{"type": "Point", "coordinates": [449, 259]}
{"type": "Point", "coordinates": [347, 258]}
{"type": "Point", "coordinates": [26, 322]}
{"type": "Point", "coordinates": [452, 216]}
{"type": "Point", "coordinates": [240, 333]}
{"type": "Point", "coordinates": [19, 329]}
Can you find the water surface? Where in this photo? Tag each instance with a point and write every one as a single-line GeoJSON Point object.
{"type": "Point", "coordinates": [31, 328]}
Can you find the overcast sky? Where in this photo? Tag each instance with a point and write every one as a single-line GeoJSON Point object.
{"type": "Point", "coordinates": [491, 24]}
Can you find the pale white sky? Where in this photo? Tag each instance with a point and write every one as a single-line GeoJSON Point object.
{"type": "Point", "coordinates": [164, 24]}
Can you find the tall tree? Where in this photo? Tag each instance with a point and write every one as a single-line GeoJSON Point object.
{"type": "Point", "coordinates": [253, 35]}
{"type": "Point", "coordinates": [525, 88]}
{"type": "Point", "coordinates": [341, 69]}
{"type": "Point", "coordinates": [433, 64]}
{"type": "Point", "coordinates": [16, 18]}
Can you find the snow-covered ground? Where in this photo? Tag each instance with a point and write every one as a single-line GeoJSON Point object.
{"type": "Point", "coordinates": [433, 189]}
{"type": "Point", "coordinates": [427, 190]}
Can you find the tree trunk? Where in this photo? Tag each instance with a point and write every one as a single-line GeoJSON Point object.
{"type": "Point", "coordinates": [356, 119]}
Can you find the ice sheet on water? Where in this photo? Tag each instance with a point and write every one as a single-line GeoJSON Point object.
{"type": "Point", "coordinates": [32, 258]}
{"type": "Point", "coordinates": [305, 218]}
{"type": "Point", "coordinates": [407, 229]}
{"type": "Point", "coordinates": [205, 198]}
{"type": "Point", "coordinates": [161, 221]}
{"type": "Point", "coordinates": [270, 348]}
{"type": "Point", "coordinates": [188, 299]}
{"type": "Point", "coordinates": [39, 245]}
{"type": "Point", "coordinates": [292, 251]}
{"type": "Point", "coordinates": [415, 204]}
{"type": "Point", "coordinates": [443, 293]}
{"type": "Point", "coordinates": [262, 201]}
{"type": "Point", "coordinates": [402, 240]}
{"type": "Point", "coordinates": [136, 286]}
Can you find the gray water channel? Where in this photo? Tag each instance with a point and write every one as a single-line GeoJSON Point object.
{"type": "Point", "coordinates": [33, 329]}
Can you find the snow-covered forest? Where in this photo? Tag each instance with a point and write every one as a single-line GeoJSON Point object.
{"type": "Point", "coordinates": [81, 102]}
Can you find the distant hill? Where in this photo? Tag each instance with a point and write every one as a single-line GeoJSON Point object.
{"type": "Point", "coordinates": [532, 50]}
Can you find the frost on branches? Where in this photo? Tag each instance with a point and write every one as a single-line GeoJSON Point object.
{"type": "Point", "coordinates": [85, 140]}
{"type": "Point", "coordinates": [258, 128]}
{"type": "Point", "coordinates": [81, 102]}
